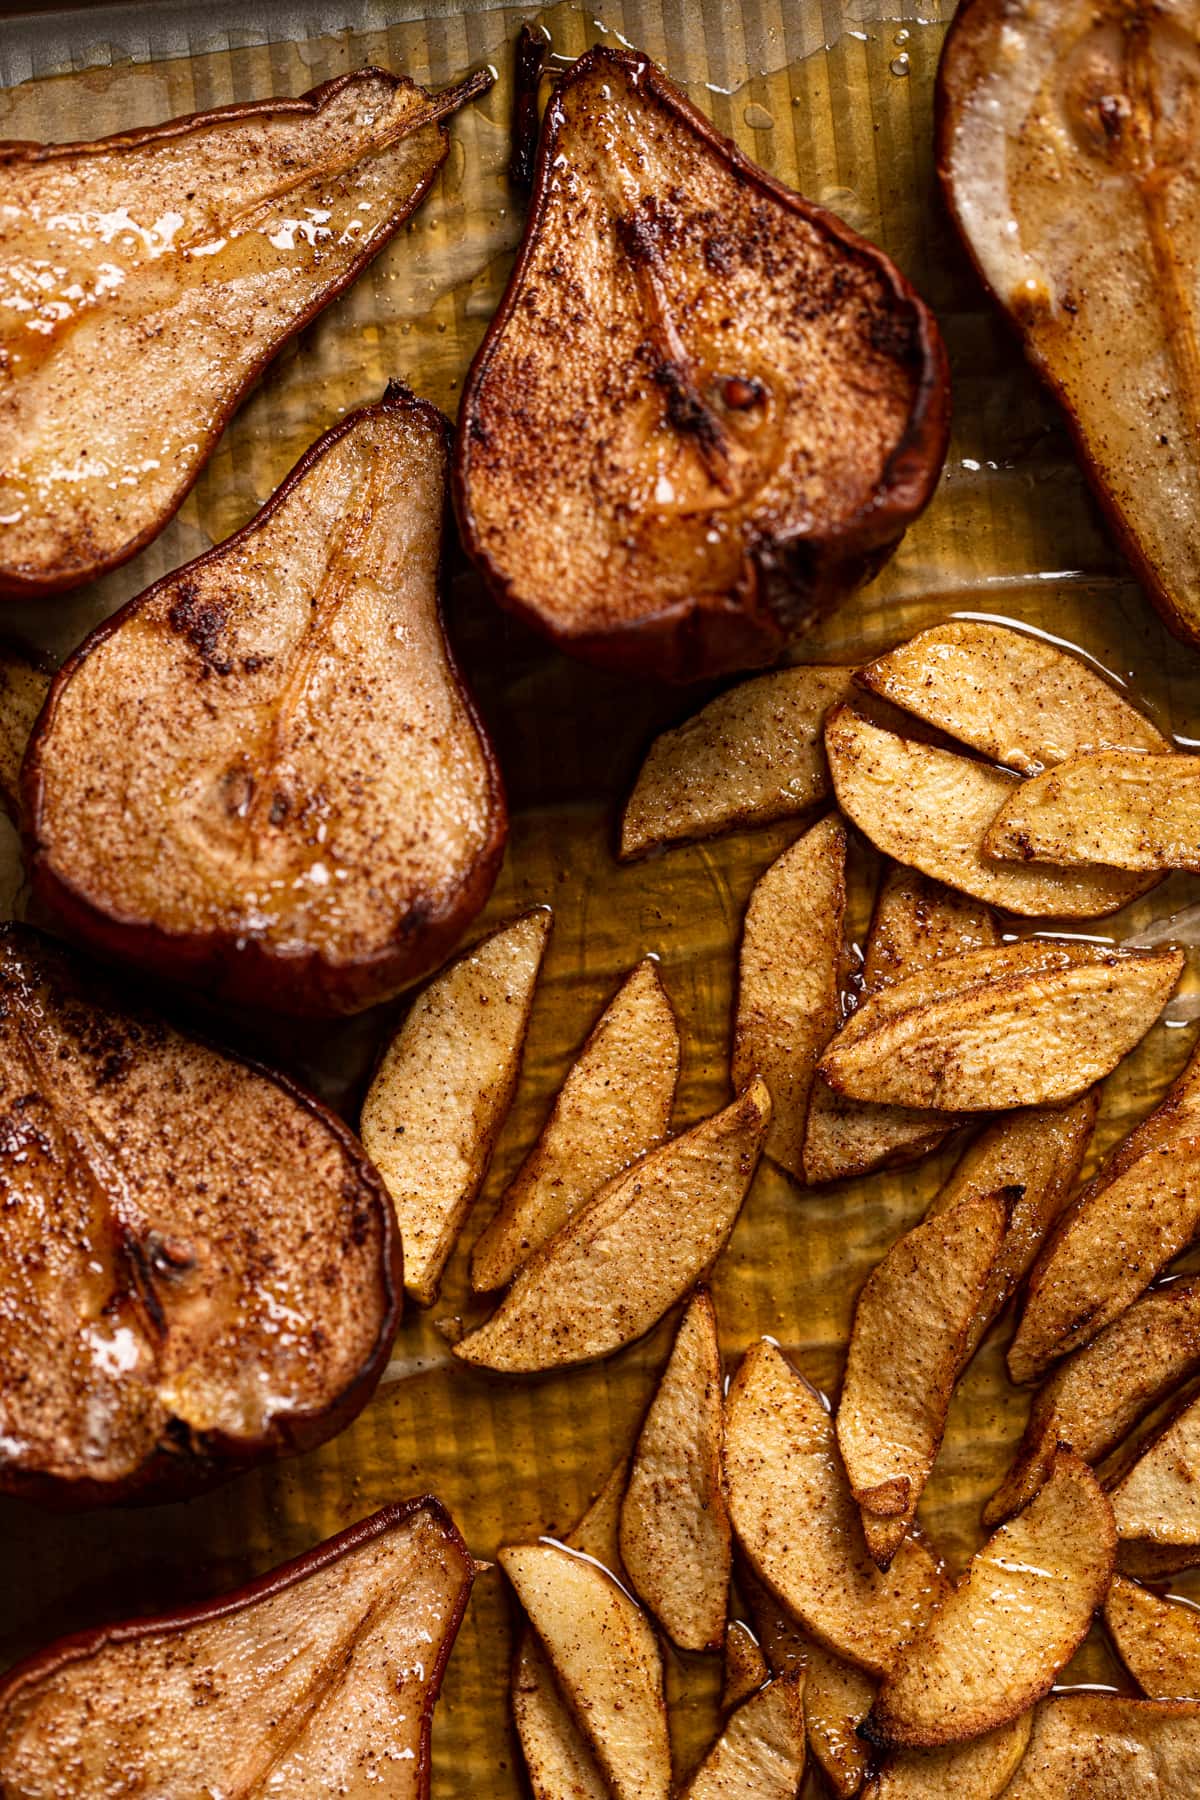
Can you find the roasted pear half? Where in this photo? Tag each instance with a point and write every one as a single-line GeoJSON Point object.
{"type": "Point", "coordinates": [318, 1679]}
{"type": "Point", "coordinates": [705, 409]}
{"type": "Point", "coordinates": [147, 278]}
{"type": "Point", "coordinates": [1067, 152]}
{"type": "Point", "coordinates": [264, 777]}
{"type": "Point", "coordinates": [201, 1268]}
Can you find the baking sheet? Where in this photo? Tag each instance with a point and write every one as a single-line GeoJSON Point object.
{"type": "Point", "coordinates": [835, 99]}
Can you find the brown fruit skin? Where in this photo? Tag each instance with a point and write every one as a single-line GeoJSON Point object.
{"type": "Point", "coordinates": [234, 968]}
{"type": "Point", "coordinates": [200, 1464]}
{"type": "Point", "coordinates": [20, 587]}
{"type": "Point", "coordinates": [80, 1644]}
{"type": "Point", "coordinates": [1176, 621]}
{"type": "Point", "coordinates": [786, 585]}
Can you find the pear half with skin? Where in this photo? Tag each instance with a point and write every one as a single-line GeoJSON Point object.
{"type": "Point", "coordinates": [201, 1268]}
{"type": "Point", "coordinates": [1067, 153]}
{"type": "Point", "coordinates": [318, 1679]}
{"type": "Point", "coordinates": [705, 409]}
{"type": "Point", "coordinates": [146, 279]}
{"type": "Point", "coordinates": [264, 777]}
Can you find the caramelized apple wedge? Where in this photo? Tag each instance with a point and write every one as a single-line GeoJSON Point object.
{"type": "Point", "coordinates": [606, 1661]}
{"type": "Point", "coordinates": [723, 478]}
{"type": "Point", "coordinates": [744, 1667]}
{"type": "Point", "coordinates": [1106, 1747]}
{"type": "Point", "coordinates": [788, 980]}
{"type": "Point", "coordinates": [675, 1538]}
{"type": "Point", "coordinates": [932, 809]}
{"type": "Point", "coordinates": [978, 1770]}
{"type": "Point", "coordinates": [1157, 1496]}
{"type": "Point", "coordinates": [1017, 699]}
{"type": "Point", "coordinates": [319, 1678]}
{"type": "Point", "coordinates": [1019, 1613]}
{"type": "Point", "coordinates": [1095, 1397]}
{"type": "Point", "coordinates": [797, 1523]}
{"type": "Point", "coordinates": [1122, 809]}
{"type": "Point", "coordinates": [165, 1208]}
{"type": "Point", "coordinates": [1158, 1640]}
{"type": "Point", "coordinates": [1065, 140]}
{"type": "Point", "coordinates": [24, 685]}
{"type": "Point", "coordinates": [907, 1349]}
{"type": "Point", "coordinates": [131, 346]}
{"type": "Point", "coordinates": [264, 777]}
{"type": "Point", "coordinates": [751, 756]}
{"type": "Point", "coordinates": [1025, 1024]}
{"type": "Point", "coordinates": [558, 1762]}
{"type": "Point", "coordinates": [1139, 1211]}
{"type": "Point", "coordinates": [434, 1110]}
{"type": "Point", "coordinates": [614, 1105]}
{"type": "Point", "coordinates": [760, 1753]}
{"type": "Point", "coordinates": [636, 1248]}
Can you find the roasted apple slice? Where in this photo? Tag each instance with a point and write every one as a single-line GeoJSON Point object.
{"type": "Point", "coordinates": [434, 1110]}
{"type": "Point", "coordinates": [907, 1348]}
{"type": "Point", "coordinates": [1139, 1211]}
{"type": "Point", "coordinates": [752, 755]}
{"type": "Point", "coordinates": [1096, 1397]}
{"type": "Point", "coordinates": [264, 776]}
{"type": "Point", "coordinates": [675, 1539]}
{"type": "Point", "coordinates": [318, 1679]}
{"type": "Point", "coordinates": [1122, 809]}
{"type": "Point", "coordinates": [978, 1770]}
{"type": "Point", "coordinates": [1156, 1497]}
{"type": "Point", "coordinates": [202, 1268]}
{"type": "Point", "coordinates": [760, 1754]}
{"type": "Point", "coordinates": [797, 1523]}
{"type": "Point", "coordinates": [1104, 1746]}
{"type": "Point", "coordinates": [150, 276]}
{"type": "Point", "coordinates": [705, 409]}
{"type": "Point", "coordinates": [1158, 1640]}
{"type": "Point", "coordinates": [636, 1248]}
{"type": "Point", "coordinates": [1017, 699]}
{"type": "Point", "coordinates": [788, 991]}
{"type": "Point", "coordinates": [24, 685]}
{"type": "Point", "coordinates": [744, 1667]}
{"type": "Point", "coordinates": [1019, 1613]}
{"type": "Point", "coordinates": [1065, 149]}
{"type": "Point", "coordinates": [614, 1106]}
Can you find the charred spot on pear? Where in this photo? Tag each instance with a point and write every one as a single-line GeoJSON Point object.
{"type": "Point", "coordinates": [264, 776]}
{"type": "Point", "coordinates": [705, 409]}
{"type": "Point", "coordinates": [202, 1269]}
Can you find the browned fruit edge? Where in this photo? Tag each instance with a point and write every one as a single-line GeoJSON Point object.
{"type": "Point", "coordinates": [968, 16]}
{"type": "Point", "coordinates": [237, 967]}
{"type": "Point", "coordinates": [199, 1464]}
{"type": "Point", "coordinates": [682, 643]}
{"type": "Point", "coordinates": [15, 586]}
{"type": "Point", "coordinates": [80, 1645]}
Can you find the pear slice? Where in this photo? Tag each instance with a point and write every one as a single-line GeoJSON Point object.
{"type": "Point", "coordinates": [932, 809]}
{"type": "Point", "coordinates": [135, 343]}
{"type": "Point", "coordinates": [751, 756]}
{"type": "Point", "coordinates": [1033, 1155]}
{"type": "Point", "coordinates": [1157, 1498]}
{"type": "Point", "coordinates": [635, 1249]}
{"type": "Point", "coordinates": [760, 1753]}
{"type": "Point", "coordinates": [915, 922]}
{"type": "Point", "coordinates": [1017, 1616]}
{"type": "Point", "coordinates": [1119, 808]}
{"type": "Point", "coordinates": [1025, 1024]}
{"type": "Point", "coordinates": [264, 777]}
{"type": "Point", "coordinates": [606, 1661]}
{"type": "Point", "coordinates": [320, 1678]}
{"type": "Point", "coordinates": [978, 1770]}
{"type": "Point", "coordinates": [614, 1105]}
{"type": "Point", "coordinates": [1104, 1746]}
{"type": "Point", "coordinates": [907, 1350]}
{"type": "Point", "coordinates": [166, 1209]}
{"type": "Point", "coordinates": [678, 449]}
{"type": "Point", "coordinates": [1065, 145]}
{"type": "Point", "coordinates": [1132, 1218]}
{"type": "Point", "coordinates": [24, 685]}
{"type": "Point", "coordinates": [744, 1667]}
{"type": "Point", "coordinates": [797, 1523]}
{"type": "Point", "coordinates": [675, 1538]}
{"type": "Point", "coordinates": [788, 980]}
{"type": "Point", "coordinates": [1158, 1640]}
{"type": "Point", "coordinates": [434, 1110]}
{"type": "Point", "coordinates": [1094, 1398]}
{"type": "Point", "coordinates": [1017, 699]}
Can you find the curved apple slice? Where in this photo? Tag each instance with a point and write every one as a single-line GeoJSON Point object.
{"type": "Point", "coordinates": [320, 1678]}
{"type": "Point", "coordinates": [760, 1754]}
{"type": "Point", "coordinates": [743, 1668]}
{"type": "Point", "coordinates": [558, 1761]}
{"type": "Point", "coordinates": [1107, 1747]}
{"type": "Point", "coordinates": [1121, 809]}
{"type": "Point", "coordinates": [978, 1770]}
{"type": "Point", "coordinates": [1158, 1640]}
{"type": "Point", "coordinates": [1157, 1497]}
{"type": "Point", "coordinates": [134, 346]}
